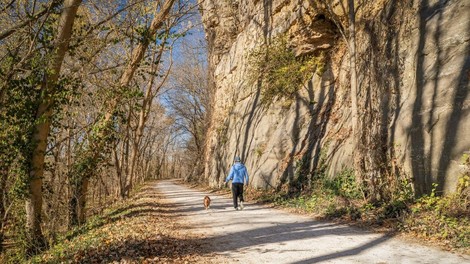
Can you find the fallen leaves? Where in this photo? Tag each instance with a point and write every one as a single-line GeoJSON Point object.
{"type": "Point", "coordinates": [142, 230]}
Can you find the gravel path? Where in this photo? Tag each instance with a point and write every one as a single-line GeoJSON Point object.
{"type": "Point", "coordinates": [260, 234]}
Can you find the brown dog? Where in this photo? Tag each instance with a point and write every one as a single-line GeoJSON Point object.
{"type": "Point", "coordinates": [207, 202]}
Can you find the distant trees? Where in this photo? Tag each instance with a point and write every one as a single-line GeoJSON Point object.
{"type": "Point", "coordinates": [190, 104]}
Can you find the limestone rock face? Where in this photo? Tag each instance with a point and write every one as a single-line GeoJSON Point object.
{"type": "Point", "coordinates": [413, 63]}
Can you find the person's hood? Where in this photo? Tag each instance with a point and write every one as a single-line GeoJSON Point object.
{"type": "Point", "coordinates": [238, 166]}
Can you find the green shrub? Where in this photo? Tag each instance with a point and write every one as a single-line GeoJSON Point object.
{"type": "Point", "coordinates": [344, 184]}
{"type": "Point", "coordinates": [280, 72]}
{"type": "Point", "coordinates": [440, 217]}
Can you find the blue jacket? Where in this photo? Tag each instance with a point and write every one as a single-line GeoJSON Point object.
{"type": "Point", "coordinates": [238, 174]}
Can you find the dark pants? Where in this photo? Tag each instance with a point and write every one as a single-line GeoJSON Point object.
{"type": "Point", "coordinates": [237, 191]}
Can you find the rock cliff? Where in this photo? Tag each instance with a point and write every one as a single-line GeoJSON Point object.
{"type": "Point", "coordinates": [413, 68]}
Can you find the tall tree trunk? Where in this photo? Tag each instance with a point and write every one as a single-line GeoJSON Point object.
{"type": "Point", "coordinates": [355, 94]}
{"type": "Point", "coordinates": [352, 66]}
{"type": "Point", "coordinates": [42, 128]}
{"type": "Point", "coordinates": [73, 203]}
{"type": "Point", "coordinates": [82, 201]}
{"type": "Point", "coordinates": [77, 213]}
{"type": "Point", "coordinates": [125, 154]}
{"type": "Point", "coordinates": [3, 183]}
{"type": "Point", "coordinates": [117, 164]}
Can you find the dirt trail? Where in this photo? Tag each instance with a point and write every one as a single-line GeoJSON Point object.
{"type": "Point", "coordinates": [264, 235]}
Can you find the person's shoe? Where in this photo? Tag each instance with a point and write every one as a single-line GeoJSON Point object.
{"type": "Point", "coordinates": [236, 208]}
{"type": "Point", "coordinates": [241, 206]}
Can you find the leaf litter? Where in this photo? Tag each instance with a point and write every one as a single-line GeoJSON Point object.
{"type": "Point", "coordinates": [143, 229]}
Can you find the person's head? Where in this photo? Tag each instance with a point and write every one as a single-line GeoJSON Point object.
{"type": "Point", "coordinates": [237, 159]}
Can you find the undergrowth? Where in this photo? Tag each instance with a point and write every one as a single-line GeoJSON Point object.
{"type": "Point", "coordinates": [83, 237]}
{"type": "Point", "coordinates": [441, 218]}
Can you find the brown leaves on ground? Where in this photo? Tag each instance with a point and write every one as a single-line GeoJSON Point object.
{"type": "Point", "coordinates": [142, 230]}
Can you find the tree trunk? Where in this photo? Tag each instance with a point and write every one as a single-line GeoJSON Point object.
{"type": "Point", "coordinates": [3, 183]}
{"type": "Point", "coordinates": [73, 203]}
{"type": "Point", "coordinates": [352, 66]}
{"type": "Point", "coordinates": [77, 213]}
{"type": "Point", "coordinates": [355, 94]}
{"type": "Point", "coordinates": [125, 153]}
{"type": "Point", "coordinates": [42, 128]}
{"type": "Point", "coordinates": [82, 201]}
{"type": "Point", "coordinates": [117, 164]}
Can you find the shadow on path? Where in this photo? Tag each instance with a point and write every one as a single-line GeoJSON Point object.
{"type": "Point", "coordinates": [345, 253]}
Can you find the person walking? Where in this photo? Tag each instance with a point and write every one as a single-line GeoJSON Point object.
{"type": "Point", "coordinates": [239, 176]}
